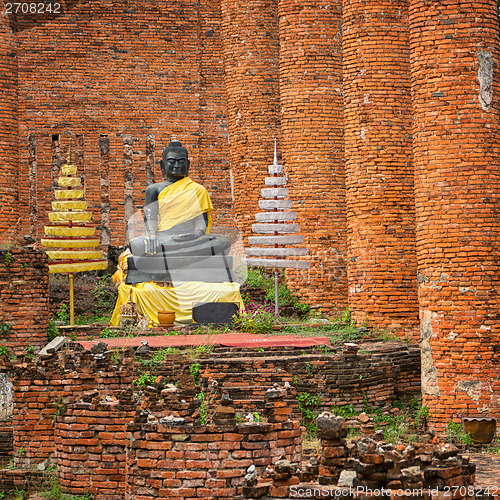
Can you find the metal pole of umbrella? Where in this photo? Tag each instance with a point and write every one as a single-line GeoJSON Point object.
{"type": "Point", "coordinates": [71, 301]}
{"type": "Point", "coordinates": [276, 294]}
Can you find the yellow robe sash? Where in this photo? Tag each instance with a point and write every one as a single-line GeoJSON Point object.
{"type": "Point", "coordinates": [182, 201]}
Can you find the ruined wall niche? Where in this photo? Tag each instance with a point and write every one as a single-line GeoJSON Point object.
{"type": "Point", "coordinates": [115, 194]}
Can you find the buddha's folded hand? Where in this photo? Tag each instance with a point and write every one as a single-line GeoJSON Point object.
{"type": "Point", "coordinates": [188, 236]}
{"type": "Point", "coordinates": [150, 244]}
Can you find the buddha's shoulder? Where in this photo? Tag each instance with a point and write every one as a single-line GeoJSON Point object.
{"type": "Point", "coordinates": [196, 185]}
{"type": "Point", "coordinates": [157, 187]}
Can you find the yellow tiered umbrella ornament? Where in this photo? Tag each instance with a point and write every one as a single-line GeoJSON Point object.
{"type": "Point", "coordinates": [73, 247]}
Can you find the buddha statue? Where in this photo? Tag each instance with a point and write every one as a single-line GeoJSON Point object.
{"type": "Point", "coordinates": [178, 245]}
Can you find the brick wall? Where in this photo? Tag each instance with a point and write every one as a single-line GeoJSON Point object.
{"type": "Point", "coordinates": [456, 133]}
{"type": "Point", "coordinates": [250, 47]}
{"type": "Point", "coordinates": [91, 444]}
{"type": "Point", "coordinates": [125, 70]}
{"type": "Point", "coordinates": [24, 304]}
{"type": "Point", "coordinates": [179, 461]}
{"type": "Point", "coordinates": [41, 390]}
{"type": "Point", "coordinates": [378, 150]}
{"type": "Point", "coordinates": [44, 388]}
{"type": "Point", "coordinates": [8, 131]}
{"type": "Point", "coordinates": [379, 372]}
{"type": "Point", "coordinates": [310, 75]}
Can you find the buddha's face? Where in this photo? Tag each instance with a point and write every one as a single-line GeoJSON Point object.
{"type": "Point", "coordinates": [175, 165]}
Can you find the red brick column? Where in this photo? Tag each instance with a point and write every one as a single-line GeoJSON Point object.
{"type": "Point", "coordinates": [8, 131]}
{"type": "Point", "coordinates": [379, 173]}
{"type": "Point", "coordinates": [454, 46]}
{"type": "Point", "coordinates": [250, 41]}
{"type": "Point", "coordinates": [311, 105]}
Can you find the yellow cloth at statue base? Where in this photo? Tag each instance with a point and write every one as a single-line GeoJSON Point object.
{"type": "Point", "coordinates": [182, 201]}
{"type": "Point", "coordinates": [121, 268]}
{"type": "Point", "coordinates": [151, 298]}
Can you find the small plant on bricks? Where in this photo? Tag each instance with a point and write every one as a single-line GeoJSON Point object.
{"type": "Point", "coordinates": [194, 369]}
{"type": "Point", "coordinates": [456, 433]}
{"type": "Point", "coordinates": [309, 405]}
{"type": "Point", "coordinates": [144, 379]}
{"type": "Point", "coordinates": [5, 328]}
{"type": "Point", "coordinates": [203, 407]}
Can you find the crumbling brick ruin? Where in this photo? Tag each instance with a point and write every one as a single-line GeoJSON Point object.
{"type": "Point", "coordinates": [115, 437]}
{"type": "Point", "coordinates": [367, 468]}
{"type": "Point", "coordinates": [387, 118]}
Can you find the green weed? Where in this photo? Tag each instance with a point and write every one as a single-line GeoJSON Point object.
{"type": "Point", "coordinates": [194, 369]}
{"type": "Point", "coordinates": [52, 330]}
{"type": "Point", "coordinates": [352, 432]}
{"type": "Point", "coordinates": [203, 407]}
{"type": "Point", "coordinates": [53, 491]}
{"type": "Point", "coordinates": [104, 294]}
{"type": "Point", "coordinates": [8, 258]}
{"type": "Point", "coordinates": [30, 352]}
{"type": "Point", "coordinates": [256, 417]}
{"type": "Point", "coordinates": [5, 328]}
{"type": "Point", "coordinates": [421, 417]}
{"type": "Point", "coordinates": [346, 316]}
{"type": "Point", "coordinates": [309, 405]}
{"type": "Point", "coordinates": [257, 278]}
{"type": "Point", "coordinates": [108, 333]}
{"type": "Point", "coordinates": [144, 379]}
{"type": "Point", "coordinates": [456, 433]}
{"type": "Point", "coordinates": [345, 411]}
{"type": "Point", "coordinates": [62, 314]}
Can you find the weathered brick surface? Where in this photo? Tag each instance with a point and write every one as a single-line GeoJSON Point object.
{"type": "Point", "coordinates": [382, 373]}
{"type": "Point", "coordinates": [373, 465]}
{"type": "Point", "coordinates": [91, 442]}
{"type": "Point", "coordinates": [179, 461]}
{"type": "Point", "coordinates": [250, 45]}
{"type": "Point", "coordinates": [24, 297]}
{"type": "Point", "coordinates": [43, 389]}
{"type": "Point", "coordinates": [310, 76]}
{"type": "Point", "coordinates": [136, 68]}
{"type": "Point", "coordinates": [8, 131]}
{"type": "Point", "coordinates": [379, 170]}
{"type": "Point", "coordinates": [456, 135]}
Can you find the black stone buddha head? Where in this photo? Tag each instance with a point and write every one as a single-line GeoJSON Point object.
{"type": "Point", "coordinates": [175, 162]}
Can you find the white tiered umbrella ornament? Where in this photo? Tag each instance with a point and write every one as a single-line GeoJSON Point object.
{"type": "Point", "coordinates": [276, 229]}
